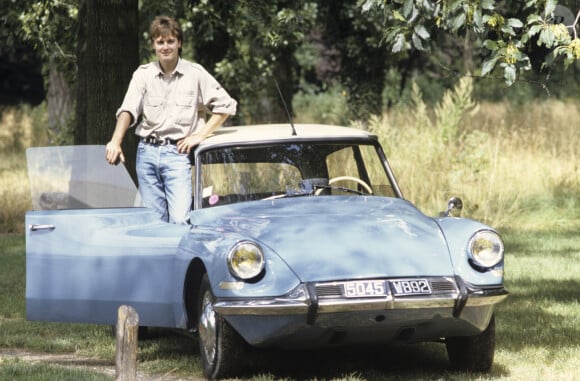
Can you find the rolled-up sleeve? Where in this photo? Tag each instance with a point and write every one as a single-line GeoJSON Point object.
{"type": "Point", "coordinates": [214, 97]}
{"type": "Point", "coordinates": [133, 101]}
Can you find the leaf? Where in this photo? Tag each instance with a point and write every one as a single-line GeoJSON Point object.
{"type": "Point", "coordinates": [488, 66]}
{"type": "Point", "coordinates": [414, 15]}
{"type": "Point", "coordinates": [547, 37]}
{"type": "Point", "coordinates": [478, 19]}
{"type": "Point", "coordinates": [534, 30]}
{"type": "Point", "coordinates": [515, 23]}
{"type": "Point", "coordinates": [508, 30]}
{"type": "Point", "coordinates": [453, 5]}
{"type": "Point", "coordinates": [368, 4]}
{"type": "Point", "coordinates": [488, 4]}
{"type": "Point", "coordinates": [509, 73]}
{"type": "Point", "coordinates": [422, 32]}
{"type": "Point", "coordinates": [399, 43]}
{"type": "Point", "coordinates": [417, 42]}
{"type": "Point", "coordinates": [534, 19]}
{"type": "Point", "coordinates": [458, 22]}
{"type": "Point", "coordinates": [398, 16]}
{"type": "Point", "coordinates": [408, 8]}
{"type": "Point", "coordinates": [550, 7]}
{"type": "Point", "coordinates": [491, 45]}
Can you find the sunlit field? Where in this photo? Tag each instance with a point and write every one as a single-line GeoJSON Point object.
{"type": "Point", "coordinates": [516, 167]}
{"type": "Point", "coordinates": [513, 166]}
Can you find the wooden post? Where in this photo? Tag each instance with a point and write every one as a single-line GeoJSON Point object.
{"type": "Point", "coordinates": [126, 349]}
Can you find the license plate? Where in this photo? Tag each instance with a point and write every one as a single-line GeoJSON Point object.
{"type": "Point", "coordinates": [364, 289]}
{"type": "Point", "coordinates": [410, 287]}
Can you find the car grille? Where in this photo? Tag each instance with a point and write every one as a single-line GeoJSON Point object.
{"type": "Point", "coordinates": [439, 285]}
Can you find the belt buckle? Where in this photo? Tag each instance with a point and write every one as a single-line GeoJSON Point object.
{"type": "Point", "coordinates": [155, 140]}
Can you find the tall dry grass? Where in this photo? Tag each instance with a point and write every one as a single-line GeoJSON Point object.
{"type": "Point", "coordinates": [20, 127]}
{"type": "Point", "coordinates": [513, 166]}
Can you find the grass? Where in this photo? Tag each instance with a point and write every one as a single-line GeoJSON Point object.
{"type": "Point", "coordinates": [22, 370]}
{"type": "Point", "coordinates": [516, 168]}
{"type": "Point", "coordinates": [537, 328]}
{"type": "Point", "coordinates": [512, 165]}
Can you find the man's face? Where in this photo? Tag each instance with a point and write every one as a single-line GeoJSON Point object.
{"type": "Point", "coordinates": [166, 49]}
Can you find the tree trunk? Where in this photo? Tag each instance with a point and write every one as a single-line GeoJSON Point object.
{"type": "Point", "coordinates": [60, 104]}
{"type": "Point", "coordinates": [108, 53]}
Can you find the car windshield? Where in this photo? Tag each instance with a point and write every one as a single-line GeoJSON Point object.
{"type": "Point", "coordinates": [245, 173]}
{"type": "Point", "coordinates": [77, 177]}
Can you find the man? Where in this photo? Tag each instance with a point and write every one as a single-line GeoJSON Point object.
{"type": "Point", "coordinates": [167, 101]}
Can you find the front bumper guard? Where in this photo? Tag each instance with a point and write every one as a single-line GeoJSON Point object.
{"type": "Point", "coordinates": [304, 300]}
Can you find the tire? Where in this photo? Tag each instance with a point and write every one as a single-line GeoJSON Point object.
{"type": "Point", "coordinates": [221, 348]}
{"type": "Point", "coordinates": [473, 353]}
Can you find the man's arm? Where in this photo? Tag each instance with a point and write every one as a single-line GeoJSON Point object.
{"type": "Point", "coordinates": [215, 121]}
{"type": "Point", "coordinates": [114, 152]}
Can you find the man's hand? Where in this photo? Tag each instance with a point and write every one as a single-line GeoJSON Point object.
{"type": "Point", "coordinates": [114, 153]}
{"type": "Point", "coordinates": [185, 145]}
{"type": "Point", "coordinates": [215, 121]}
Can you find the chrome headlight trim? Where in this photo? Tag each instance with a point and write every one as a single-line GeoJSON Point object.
{"type": "Point", "coordinates": [486, 248]}
{"type": "Point", "coordinates": [246, 260]}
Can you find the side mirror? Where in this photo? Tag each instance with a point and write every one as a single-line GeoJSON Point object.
{"type": "Point", "coordinates": [454, 207]}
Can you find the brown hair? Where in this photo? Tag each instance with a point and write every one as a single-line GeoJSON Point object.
{"type": "Point", "coordinates": [165, 26]}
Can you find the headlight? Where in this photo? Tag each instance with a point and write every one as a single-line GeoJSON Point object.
{"type": "Point", "coordinates": [486, 248]}
{"type": "Point", "coordinates": [246, 260]}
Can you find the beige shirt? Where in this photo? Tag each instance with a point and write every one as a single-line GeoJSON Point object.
{"type": "Point", "coordinates": [174, 106]}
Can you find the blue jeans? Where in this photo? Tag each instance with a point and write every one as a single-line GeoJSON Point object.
{"type": "Point", "coordinates": [165, 181]}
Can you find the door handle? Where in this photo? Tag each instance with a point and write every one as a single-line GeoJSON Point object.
{"type": "Point", "coordinates": [41, 227]}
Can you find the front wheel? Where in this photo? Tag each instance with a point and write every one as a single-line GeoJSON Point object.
{"type": "Point", "coordinates": [473, 353]}
{"type": "Point", "coordinates": [220, 347]}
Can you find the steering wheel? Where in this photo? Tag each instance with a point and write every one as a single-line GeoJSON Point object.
{"type": "Point", "coordinates": [347, 178]}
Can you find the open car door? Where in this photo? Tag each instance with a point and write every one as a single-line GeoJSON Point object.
{"type": "Point", "coordinates": [89, 246]}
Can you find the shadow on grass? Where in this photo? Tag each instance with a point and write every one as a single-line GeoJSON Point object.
{"type": "Point", "coordinates": [392, 361]}
{"type": "Point", "coordinates": [423, 361]}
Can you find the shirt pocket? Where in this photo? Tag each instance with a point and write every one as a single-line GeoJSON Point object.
{"type": "Point", "coordinates": [153, 109]}
{"type": "Point", "coordinates": [185, 107]}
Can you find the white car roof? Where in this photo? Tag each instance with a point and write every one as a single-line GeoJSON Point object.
{"type": "Point", "coordinates": [277, 132]}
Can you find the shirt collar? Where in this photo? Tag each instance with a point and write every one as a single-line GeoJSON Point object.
{"type": "Point", "coordinates": [178, 68]}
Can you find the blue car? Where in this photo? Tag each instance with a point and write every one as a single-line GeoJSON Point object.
{"type": "Point", "coordinates": [299, 237]}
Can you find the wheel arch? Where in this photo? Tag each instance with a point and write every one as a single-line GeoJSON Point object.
{"type": "Point", "coordinates": [195, 272]}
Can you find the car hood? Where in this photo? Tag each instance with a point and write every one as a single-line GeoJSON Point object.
{"type": "Point", "coordinates": [337, 237]}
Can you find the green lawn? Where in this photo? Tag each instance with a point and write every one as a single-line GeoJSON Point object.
{"type": "Point", "coordinates": [538, 329]}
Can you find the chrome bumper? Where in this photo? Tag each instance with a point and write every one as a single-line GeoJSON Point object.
{"type": "Point", "coordinates": [308, 300]}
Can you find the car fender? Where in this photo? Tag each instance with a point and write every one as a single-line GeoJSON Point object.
{"type": "Point", "coordinates": [457, 232]}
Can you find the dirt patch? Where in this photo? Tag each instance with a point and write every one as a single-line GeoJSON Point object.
{"type": "Point", "coordinates": [81, 362]}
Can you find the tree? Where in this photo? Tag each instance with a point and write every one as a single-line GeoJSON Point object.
{"type": "Point", "coordinates": [507, 29]}
{"type": "Point", "coordinates": [50, 27]}
{"type": "Point", "coordinates": [252, 45]}
{"type": "Point", "coordinates": [363, 61]}
{"type": "Point", "coordinates": [108, 53]}
{"type": "Point", "coordinates": [20, 66]}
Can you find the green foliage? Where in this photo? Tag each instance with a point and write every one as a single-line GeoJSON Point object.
{"type": "Point", "coordinates": [451, 110]}
{"type": "Point", "coordinates": [410, 24]}
{"type": "Point", "coordinates": [51, 27]}
{"type": "Point", "coordinates": [328, 107]}
{"type": "Point", "coordinates": [261, 39]}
